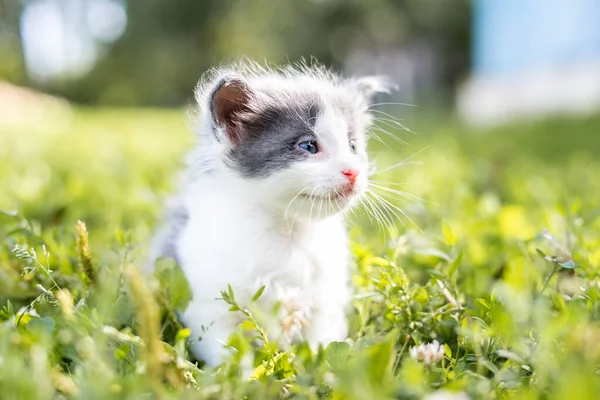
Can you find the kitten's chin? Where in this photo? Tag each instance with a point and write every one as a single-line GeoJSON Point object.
{"type": "Point", "coordinates": [317, 207]}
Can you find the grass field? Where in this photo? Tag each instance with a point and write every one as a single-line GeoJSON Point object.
{"type": "Point", "coordinates": [499, 263]}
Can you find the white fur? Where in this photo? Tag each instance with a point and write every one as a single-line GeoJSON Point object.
{"type": "Point", "coordinates": [253, 232]}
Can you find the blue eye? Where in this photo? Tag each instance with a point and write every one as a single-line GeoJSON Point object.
{"type": "Point", "coordinates": [352, 145]}
{"type": "Point", "coordinates": [309, 146]}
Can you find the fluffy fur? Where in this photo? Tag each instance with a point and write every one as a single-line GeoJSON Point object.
{"type": "Point", "coordinates": [256, 208]}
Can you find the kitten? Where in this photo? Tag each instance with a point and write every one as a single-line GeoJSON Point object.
{"type": "Point", "coordinates": [282, 157]}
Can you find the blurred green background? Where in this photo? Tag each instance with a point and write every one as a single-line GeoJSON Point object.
{"type": "Point", "coordinates": [153, 52]}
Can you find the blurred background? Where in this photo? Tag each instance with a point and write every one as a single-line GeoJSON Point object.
{"type": "Point", "coordinates": [118, 52]}
{"type": "Point", "coordinates": [491, 61]}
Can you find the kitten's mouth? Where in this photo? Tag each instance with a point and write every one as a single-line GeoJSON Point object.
{"type": "Point", "coordinates": [343, 194]}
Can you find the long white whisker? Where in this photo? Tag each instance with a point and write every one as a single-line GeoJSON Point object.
{"type": "Point", "coordinates": [397, 192]}
{"type": "Point", "coordinates": [392, 104]}
{"type": "Point", "coordinates": [368, 208]}
{"type": "Point", "coordinates": [381, 218]}
{"type": "Point", "coordinates": [388, 183]}
{"type": "Point", "coordinates": [312, 203]}
{"type": "Point", "coordinates": [379, 139]}
{"type": "Point", "coordinates": [397, 208]}
{"type": "Point", "coordinates": [386, 210]}
{"type": "Point", "coordinates": [388, 115]}
{"type": "Point", "coordinates": [390, 122]}
{"type": "Point", "coordinates": [403, 162]}
{"type": "Point", "coordinates": [285, 213]}
{"type": "Point", "coordinates": [388, 133]}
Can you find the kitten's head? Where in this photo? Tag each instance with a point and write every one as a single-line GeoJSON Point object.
{"type": "Point", "coordinates": [296, 138]}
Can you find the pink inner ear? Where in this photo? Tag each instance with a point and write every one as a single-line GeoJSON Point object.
{"type": "Point", "coordinates": [228, 101]}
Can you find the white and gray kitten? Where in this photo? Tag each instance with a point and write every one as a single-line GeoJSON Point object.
{"type": "Point", "coordinates": [281, 157]}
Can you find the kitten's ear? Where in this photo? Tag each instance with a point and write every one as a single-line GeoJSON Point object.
{"type": "Point", "coordinates": [369, 86]}
{"type": "Point", "coordinates": [230, 97]}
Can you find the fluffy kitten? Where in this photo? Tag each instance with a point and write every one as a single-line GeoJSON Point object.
{"type": "Point", "coordinates": [281, 157]}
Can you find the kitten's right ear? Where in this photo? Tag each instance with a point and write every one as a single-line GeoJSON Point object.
{"type": "Point", "coordinates": [368, 86]}
{"type": "Point", "coordinates": [230, 97]}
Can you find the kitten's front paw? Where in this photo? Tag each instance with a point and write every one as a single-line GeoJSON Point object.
{"type": "Point", "coordinates": [292, 324]}
{"type": "Point", "coordinates": [294, 318]}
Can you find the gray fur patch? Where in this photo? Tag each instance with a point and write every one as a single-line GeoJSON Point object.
{"type": "Point", "coordinates": [271, 134]}
{"type": "Point", "coordinates": [165, 239]}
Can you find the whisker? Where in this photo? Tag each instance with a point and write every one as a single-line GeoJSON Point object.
{"type": "Point", "coordinates": [321, 204]}
{"type": "Point", "coordinates": [393, 120]}
{"type": "Point", "coordinates": [403, 162]}
{"type": "Point", "coordinates": [364, 205]}
{"type": "Point", "coordinates": [379, 139]}
{"type": "Point", "coordinates": [312, 203]}
{"type": "Point", "coordinates": [285, 213]}
{"type": "Point", "coordinates": [390, 116]}
{"type": "Point", "coordinates": [385, 209]}
{"type": "Point", "coordinates": [398, 209]}
{"type": "Point", "coordinates": [389, 183]}
{"type": "Point", "coordinates": [406, 198]}
{"type": "Point", "coordinates": [381, 217]}
{"type": "Point", "coordinates": [400, 164]}
{"type": "Point", "coordinates": [392, 104]}
{"type": "Point", "coordinates": [370, 212]}
{"type": "Point", "coordinates": [388, 133]}
{"type": "Point", "coordinates": [397, 192]}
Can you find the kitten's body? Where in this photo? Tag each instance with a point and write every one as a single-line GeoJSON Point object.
{"type": "Point", "coordinates": [258, 207]}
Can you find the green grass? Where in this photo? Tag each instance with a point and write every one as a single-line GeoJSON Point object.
{"type": "Point", "coordinates": [517, 311]}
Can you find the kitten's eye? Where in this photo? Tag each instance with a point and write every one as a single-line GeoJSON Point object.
{"type": "Point", "coordinates": [309, 146]}
{"type": "Point", "coordinates": [352, 145]}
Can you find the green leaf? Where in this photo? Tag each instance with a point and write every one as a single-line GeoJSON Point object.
{"type": "Point", "coordinates": [541, 254]}
{"type": "Point", "coordinates": [489, 365]}
{"type": "Point", "coordinates": [569, 265]}
{"type": "Point", "coordinates": [431, 252]}
{"type": "Point", "coordinates": [45, 325]}
{"type": "Point", "coordinates": [447, 351]}
{"type": "Point", "coordinates": [266, 368]}
{"type": "Point", "coordinates": [337, 354]}
{"type": "Point", "coordinates": [449, 237]}
{"type": "Point", "coordinates": [509, 355]}
{"type": "Point", "coordinates": [234, 308]}
{"type": "Point", "coordinates": [123, 310]}
{"type": "Point", "coordinates": [438, 274]}
{"type": "Point", "coordinates": [379, 360]}
{"type": "Point", "coordinates": [230, 292]}
{"type": "Point", "coordinates": [483, 302]}
{"type": "Point", "coordinates": [9, 309]}
{"type": "Point", "coordinates": [454, 265]}
{"type": "Point", "coordinates": [11, 213]}
{"type": "Point", "coordinates": [225, 296]}
{"type": "Point", "coordinates": [258, 294]}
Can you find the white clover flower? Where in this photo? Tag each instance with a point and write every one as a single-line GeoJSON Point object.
{"type": "Point", "coordinates": [429, 353]}
{"type": "Point", "coordinates": [446, 395]}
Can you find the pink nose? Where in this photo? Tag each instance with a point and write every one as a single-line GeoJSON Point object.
{"type": "Point", "coordinates": [351, 174]}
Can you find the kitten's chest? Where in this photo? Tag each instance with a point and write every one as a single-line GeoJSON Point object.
{"type": "Point", "coordinates": [289, 260]}
{"type": "Point", "coordinates": [304, 257]}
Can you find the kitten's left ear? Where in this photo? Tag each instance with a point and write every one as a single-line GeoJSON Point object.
{"type": "Point", "coordinates": [369, 86]}
{"type": "Point", "coordinates": [230, 97]}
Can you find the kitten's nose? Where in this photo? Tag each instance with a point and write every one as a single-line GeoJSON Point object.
{"type": "Point", "coordinates": [351, 174]}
